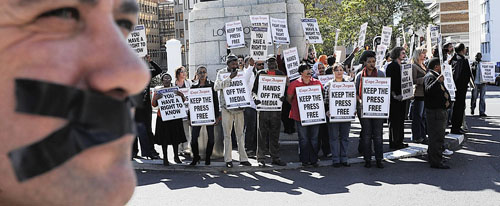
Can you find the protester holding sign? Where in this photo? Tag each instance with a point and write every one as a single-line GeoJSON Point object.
{"type": "Point", "coordinates": [288, 123]}
{"type": "Point", "coordinates": [183, 83]}
{"type": "Point", "coordinates": [269, 121]}
{"type": "Point", "coordinates": [338, 131]}
{"type": "Point", "coordinates": [437, 101]}
{"type": "Point", "coordinates": [308, 135]}
{"type": "Point", "coordinates": [231, 117]}
{"type": "Point", "coordinates": [371, 128]}
{"type": "Point", "coordinates": [418, 123]}
{"type": "Point", "coordinates": [310, 57]}
{"type": "Point", "coordinates": [323, 141]}
{"type": "Point", "coordinates": [250, 113]}
{"type": "Point", "coordinates": [168, 132]}
{"type": "Point", "coordinates": [398, 105]}
{"type": "Point", "coordinates": [461, 75]}
{"type": "Point", "coordinates": [480, 87]}
{"type": "Point", "coordinates": [203, 82]}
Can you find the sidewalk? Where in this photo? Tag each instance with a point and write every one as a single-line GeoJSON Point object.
{"type": "Point", "coordinates": [289, 153]}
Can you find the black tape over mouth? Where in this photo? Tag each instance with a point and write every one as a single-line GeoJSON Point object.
{"type": "Point", "coordinates": [93, 119]}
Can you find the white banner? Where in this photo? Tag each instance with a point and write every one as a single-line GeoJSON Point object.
{"type": "Point", "coordinates": [376, 93]}
{"type": "Point", "coordinates": [201, 106]}
{"type": "Point", "coordinates": [362, 35]}
{"type": "Point", "coordinates": [279, 29]}
{"type": "Point", "coordinates": [487, 72]}
{"type": "Point", "coordinates": [271, 89]}
{"type": "Point", "coordinates": [258, 48]}
{"type": "Point", "coordinates": [311, 105]}
{"type": "Point", "coordinates": [434, 34]}
{"type": "Point", "coordinates": [292, 63]}
{"type": "Point", "coordinates": [185, 91]}
{"type": "Point", "coordinates": [138, 41]}
{"type": "Point", "coordinates": [338, 53]}
{"type": "Point", "coordinates": [449, 83]}
{"type": "Point", "coordinates": [342, 101]}
{"type": "Point", "coordinates": [234, 35]}
{"type": "Point", "coordinates": [171, 105]}
{"type": "Point", "coordinates": [262, 21]}
{"type": "Point", "coordinates": [406, 82]}
{"type": "Point", "coordinates": [386, 36]}
{"type": "Point", "coordinates": [237, 94]}
{"type": "Point", "coordinates": [380, 56]}
{"type": "Point", "coordinates": [311, 30]}
{"type": "Point", "coordinates": [325, 78]}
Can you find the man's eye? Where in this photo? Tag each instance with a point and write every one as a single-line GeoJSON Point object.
{"type": "Point", "coordinates": [125, 24]}
{"type": "Point", "coordinates": [65, 13]}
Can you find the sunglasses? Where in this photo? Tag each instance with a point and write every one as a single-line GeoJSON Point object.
{"type": "Point", "coordinates": [260, 64]}
{"type": "Point", "coordinates": [202, 72]}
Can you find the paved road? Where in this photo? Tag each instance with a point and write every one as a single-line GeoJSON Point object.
{"type": "Point", "coordinates": [473, 180]}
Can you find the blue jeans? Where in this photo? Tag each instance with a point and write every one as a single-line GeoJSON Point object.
{"type": "Point", "coordinates": [308, 143]}
{"type": "Point", "coordinates": [371, 130]}
{"type": "Point", "coordinates": [481, 90]}
{"type": "Point", "coordinates": [339, 131]}
{"type": "Point", "coordinates": [418, 123]}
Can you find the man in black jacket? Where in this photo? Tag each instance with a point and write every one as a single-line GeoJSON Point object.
{"type": "Point", "coordinates": [462, 76]}
{"type": "Point", "coordinates": [436, 101]}
{"type": "Point", "coordinates": [143, 118]}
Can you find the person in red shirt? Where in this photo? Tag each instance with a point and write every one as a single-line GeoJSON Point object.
{"type": "Point", "coordinates": [308, 135]}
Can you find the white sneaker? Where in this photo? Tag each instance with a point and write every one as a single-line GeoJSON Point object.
{"type": "Point", "coordinates": [447, 152]}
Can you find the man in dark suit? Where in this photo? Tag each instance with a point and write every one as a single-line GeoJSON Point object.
{"type": "Point", "coordinates": [462, 76]}
{"type": "Point", "coordinates": [436, 101]}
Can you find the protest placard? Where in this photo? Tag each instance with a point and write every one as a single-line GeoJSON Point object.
{"type": "Point", "coordinates": [137, 40]}
{"type": "Point", "coordinates": [234, 35]}
{"type": "Point", "coordinates": [262, 21]}
{"type": "Point", "coordinates": [185, 92]}
{"type": "Point", "coordinates": [376, 93]}
{"type": "Point", "coordinates": [386, 36]}
{"type": "Point", "coordinates": [311, 105]}
{"type": "Point", "coordinates": [380, 56]}
{"type": "Point", "coordinates": [171, 105]}
{"type": "Point", "coordinates": [434, 34]}
{"type": "Point", "coordinates": [292, 63]}
{"type": "Point", "coordinates": [326, 78]}
{"type": "Point", "coordinates": [406, 82]}
{"type": "Point", "coordinates": [342, 101]}
{"type": "Point", "coordinates": [237, 94]}
{"type": "Point", "coordinates": [362, 35]}
{"type": "Point", "coordinates": [279, 30]}
{"type": "Point", "coordinates": [449, 83]}
{"type": "Point", "coordinates": [398, 41]}
{"type": "Point", "coordinates": [338, 54]}
{"type": "Point", "coordinates": [311, 31]}
{"type": "Point", "coordinates": [201, 107]}
{"type": "Point", "coordinates": [271, 89]}
{"type": "Point", "coordinates": [258, 48]}
{"type": "Point", "coordinates": [487, 72]}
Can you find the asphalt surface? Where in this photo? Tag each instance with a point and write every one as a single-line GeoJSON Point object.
{"type": "Point", "coordinates": [474, 178]}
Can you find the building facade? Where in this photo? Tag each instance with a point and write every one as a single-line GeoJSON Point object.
{"type": "Point", "coordinates": [484, 32]}
{"type": "Point", "coordinates": [452, 17]}
{"type": "Point", "coordinates": [148, 16]}
{"type": "Point", "coordinates": [166, 18]}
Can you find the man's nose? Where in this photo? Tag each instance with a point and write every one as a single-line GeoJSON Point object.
{"type": "Point", "coordinates": [113, 67]}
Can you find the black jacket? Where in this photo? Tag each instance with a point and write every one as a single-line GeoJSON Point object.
{"type": "Point", "coordinates": [143, 112]}
{"type": "Point", "coordinates": [434, 96]}
{"type": "Point", "coordinates": [394, 72]}
{"type": "Point", "coordinates": [461, 71]}
{"type": "Point", "coordinates": [214, 95]}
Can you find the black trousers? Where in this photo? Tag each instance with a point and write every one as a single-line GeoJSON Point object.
{"type": "Point", "coordinates": [195, 133]}
{"type": "Point", "coordinates": [457, 117]}
{"type": "Point", "coordinates": [324, 139]}
{"type": "Point", "coordinates": [288, 124]}
{"type": "Point", "coordinates": [397, 122]}
{"type": "Point", "coordinates": [438, 119]}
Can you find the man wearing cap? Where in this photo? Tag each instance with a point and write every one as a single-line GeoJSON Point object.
{"type": "Point", "coordinates": [269, 121]}
{"type": "Point", "coordinates": [231, 117]}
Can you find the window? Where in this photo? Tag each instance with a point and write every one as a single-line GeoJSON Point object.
{"type": "Point", "coordinates": [186, 24]}
{"type": "Point", "coordinates": [181, 33]}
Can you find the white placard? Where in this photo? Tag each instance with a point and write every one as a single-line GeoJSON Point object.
{"type": "Point", "coordinates": [234, 35]}
{"type": "Point", "coordinates": [362, 35]}
{"type": "Point", "coordinates": [137, 40]}
{"type": "Point", "coordinates": [201, 106]}
{"type": "Point", "coordinates": [258, 46]}
{"type": "Point", "coordinates": [487, 72]}
{"type": "Point", "coordinates": [326, 78]}
{"type": "Point", "coordinates": [292, 63]}
{"type": "Point", "coordinates": [376, 93]}
{"type": "Point", "coordinates": [406, 82]}
{"type": "Point", "coordinates": [271, 89]}
{"type": "Point", "coordinates": [311, 30]}
{"type": "Point", "coordinates": [342, 101]}
{"type": "Point", "coordinates": [380, 56]}
{"type": "Point", "coordinates": [398, 42]}
{"type": "Point", "coordinates": [412, 42]}
{"type": "Point", "coordinates": [338, 54]}
{"type": "Point", "coordinates": [185, 92]}
{"type": "Point", "coordinates": [311, 105]}
{"type": "Point", "coordinates": [237, 94]}
{"type": "Point", "coordinates": [262, 21]}
{"type": "Point", "coordinates": [386, 36]}
{"type": "Point", "coordinates": [171, 105]}
{"type": "Point", "coordinates": [279, 30]}
{"type": "Point", "coordinates": [434, 34]}
{"type": "Point", "coordinates": [449, 83]}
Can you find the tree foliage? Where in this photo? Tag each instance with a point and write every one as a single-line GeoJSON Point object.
{"type": "Point", "coordinates": [348, 15]}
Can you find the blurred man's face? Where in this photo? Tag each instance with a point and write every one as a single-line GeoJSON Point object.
{"type": "Point", "coordinates": [259, 65]}
{"type": "Point", "coordinates": [370, 63]}
{"type": "Point", "coordinates": [77, 43]}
